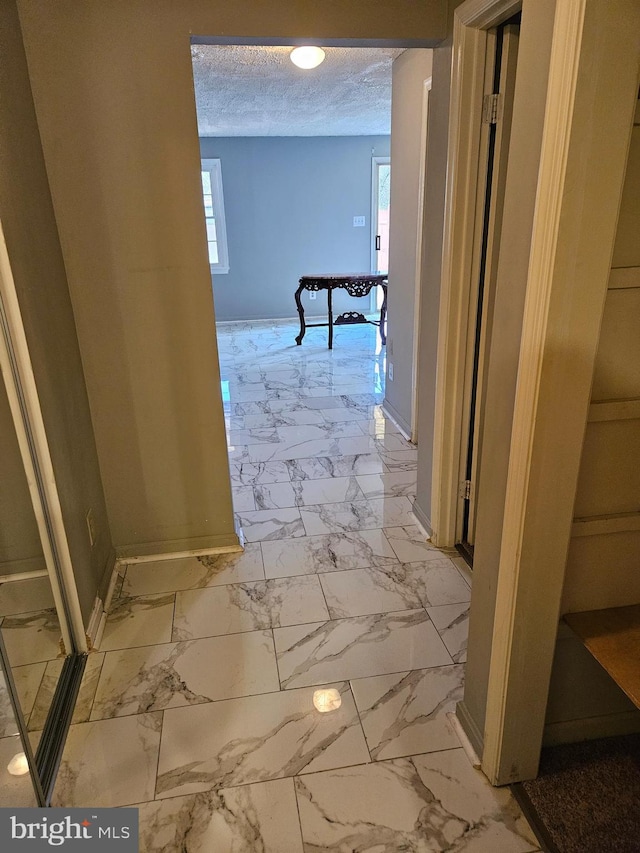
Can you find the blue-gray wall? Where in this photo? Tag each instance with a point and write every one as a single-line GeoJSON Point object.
{"type": "Point", "coordinates": [290, 203]}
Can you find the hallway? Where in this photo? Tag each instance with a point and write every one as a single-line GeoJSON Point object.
{"type": "Point", "coordinates": [294, 697]}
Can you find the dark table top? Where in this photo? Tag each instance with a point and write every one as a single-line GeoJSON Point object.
{"type": "Point", "coordinates": [348, 276]}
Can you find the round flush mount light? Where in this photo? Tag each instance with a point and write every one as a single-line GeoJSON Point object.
{"type": "Point", "coordinates": [18, 765]}
{"type": "Point", "coordinates": [307, 56]}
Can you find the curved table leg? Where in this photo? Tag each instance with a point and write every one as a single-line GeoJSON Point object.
{"type": "Point", "coordinates": [303, 327]}
{"type": "Point", "coordinates": [383, 315]}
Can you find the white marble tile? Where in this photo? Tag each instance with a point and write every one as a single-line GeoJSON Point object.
{"type": "Point", "coordinates": [258, 407]}
{"type": "Point", "coordinates": [138, 621]}
{"type": "Point", "coordinates": [252, 474]}
{"type": "Point", "coordinates": [311, 432]}
{"type": "Point", "coordinates": [492, 816]}
{"type": "Point", "coordinates": [274, 496]}
{"type": "Point", "coordinates": [341, 414]}
{"type": "Point", "coordinates": [27, 680]}
{"type": "Point", "coordinates": [293, 449]}
{"type": "Point", "coordinates": [398, 460]}
{"type": "Point", "coordinates": [438, 804]}
{"type": "Point", "coordinates": [435, 582]}
{"type": "Point", "coordinates": [194, 572]}
{"type": "Point", "coordinates": [257, 818]}
{"type": "Point", "coordinates": [109, 762]}
{"type": "Point", "coordinates": [256, 738]}
{"type": "Point", "coordinates": [26, 595]}
{"type": "Point", "coordinates": [294, 418]}
{"type": "Point", "coordinates": [356, 515]}
{"type": "Point", "coordinates": [248, 607]}
{"type": "Point", "coordinates": [379, 427]}
{"type": "Point", "coordinates": [405, 713]}
{"type": "Point", "coordinates": [153, 678]}
{"type": "Point", "coordinates": [32, 637]}
{"type": "Point", "coordinates": [321, 467]}
{"type": "Point", "coordinates": [395, 484]}
{"type": "Point", "coordinates": [243, 499]}
{"type": "Point", "coordinates": [246, 395]}
{"type": "Point", "coordinates": [357, 647]}
{"type": "Point", "coordinates": [359, 592]}
{"type": "Point", "coordinates": [323, 403]}
{"type": "Point", "coordinates": [364, 399]}
{"type": "Point", "coordinates": [15, 791]}
{"type": "Point", "coordinates": [330, 552]}
{"type": "Point", "coordinates": [263, 525]}
{"type": "Point", "coordinates": [302, 492]}
{"type": "Point", "coordinates": [254, 436]}
{"type": "Point", "coordinates": [393, 442]}
{"type": "Point", "coordinates": [48, 686]}
{"type": "Point", "coordinates": [452, 623]}
{"type": "Point", "coordinates": [410, 546]}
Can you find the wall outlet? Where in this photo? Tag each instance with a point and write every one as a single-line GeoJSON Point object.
{"type": "Point", "coordinates": [390, 372]}
{"type": "Point", "coordinates": [313, 294]}
{"type": "Point", "coordinates": [91, 527]}
{"type": "Point", "coordinates": [358, 221]}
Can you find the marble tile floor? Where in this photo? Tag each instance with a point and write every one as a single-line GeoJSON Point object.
{"type": "Point", "coordinates": [292, 698]}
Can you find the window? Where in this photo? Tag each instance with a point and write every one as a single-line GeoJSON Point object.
{"type": "Point", "coordinates": [214, 215]}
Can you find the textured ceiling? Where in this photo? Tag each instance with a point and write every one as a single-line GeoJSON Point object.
{"type": "Point", "coordinates": [258, 91]}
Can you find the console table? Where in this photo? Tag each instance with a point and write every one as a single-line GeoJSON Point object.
{"type": "Point", "coordinates": [356, 284]}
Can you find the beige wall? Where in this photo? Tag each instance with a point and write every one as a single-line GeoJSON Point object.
{"type": "Point", "coordinates": [20, 549]}
{"type": "Point", "coordinates": [114, 97]}
{"type": "Point", "coordinates": [435, 182]}
{"type": "Point", "coordinates": [33, 245]}
{"type": "Point", "coordinates": [410, 70]}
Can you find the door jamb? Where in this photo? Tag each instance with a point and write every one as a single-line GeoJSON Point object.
{"type": "Point", "coordinates": [426, 92]}
{"type": "Point", "coordinates": [471, 20]}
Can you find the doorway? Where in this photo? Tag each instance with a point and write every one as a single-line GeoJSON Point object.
{"type": "Point", "coordinates": [380, 214]}
{"type": "Point", "coordinates": [496, 130]}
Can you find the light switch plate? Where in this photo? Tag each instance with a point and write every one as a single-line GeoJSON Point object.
{"type": "Point", "coordinates": [358, 221]}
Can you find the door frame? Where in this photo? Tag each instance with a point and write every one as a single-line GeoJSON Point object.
{"type": "Point", "coordinates": [420, 224]}
{"type": "Point", "coordinates": [593, 84]}
{"type": "Point", "coordinates": [375, 162]}
{"type": "Point", "coordinates": [26, 413]}
{"type": "Point", "coordinates": [472, 20]}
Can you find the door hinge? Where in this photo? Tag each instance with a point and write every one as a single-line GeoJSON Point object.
{"type": "Point", "coordinates": [491, 106]}
{"type": "Point", "coordinates": [465, 490]}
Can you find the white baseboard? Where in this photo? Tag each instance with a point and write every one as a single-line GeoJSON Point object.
{"type": "Point", "coordinates": [94, 622]}
{"type": "Point", "coordinates": [422, 521]}
{"type": "Point", "coordinates": [397, 419]}
{"type": "Point", "coordinates": [470, 729]}
{"type": "Point", "coordinates": [24, 576]}
{"type": "Point", "coordinates": [465, 743]}
{"type": "Point", "coordinates": [171, 550]}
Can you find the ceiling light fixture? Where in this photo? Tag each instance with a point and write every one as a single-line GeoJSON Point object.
{"type": "Point", "coordinates": [307, 56]}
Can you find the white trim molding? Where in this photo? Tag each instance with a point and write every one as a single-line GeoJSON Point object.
{"type": "Point", "coordinates": [465, 119]}
{"type": "Point", "coordinates": [27, 416]}
{"type": "Point", "coordinates": [483, 14]}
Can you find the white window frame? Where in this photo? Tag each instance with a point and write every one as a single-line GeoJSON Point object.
{"type": "Point", "coordinates": [214, 167]}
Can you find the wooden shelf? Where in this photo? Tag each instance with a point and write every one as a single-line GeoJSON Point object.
{"type": "Point", "coordinates": [613, 638]}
